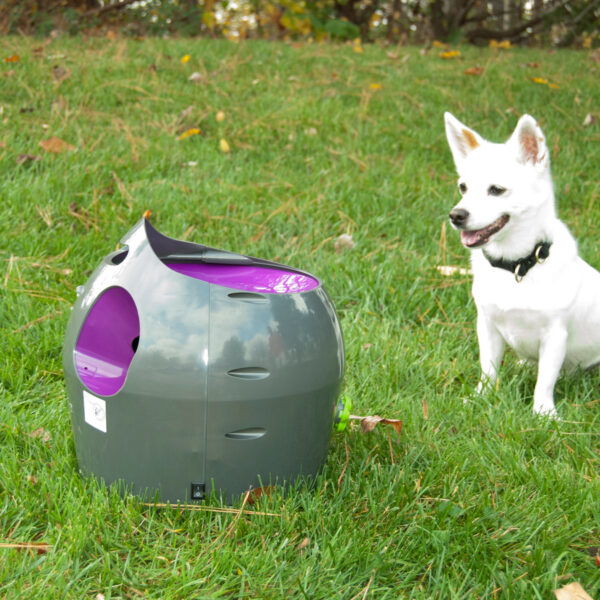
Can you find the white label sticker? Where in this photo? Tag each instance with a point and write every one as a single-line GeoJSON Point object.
{"type": "Point", "coordinates": [94, 411]}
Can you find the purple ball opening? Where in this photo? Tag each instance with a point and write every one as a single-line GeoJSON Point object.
{"type": "Point", "coordinates": [107, 342]}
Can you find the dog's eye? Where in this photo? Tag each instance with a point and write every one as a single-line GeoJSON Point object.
{"type": "Point", "coordinates": [496, 190]}
{"type": "Point", "coordinates": [463, 188]}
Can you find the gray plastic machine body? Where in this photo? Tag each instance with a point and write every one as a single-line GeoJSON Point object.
{"type": "Point", "coordinates": [191, 369]}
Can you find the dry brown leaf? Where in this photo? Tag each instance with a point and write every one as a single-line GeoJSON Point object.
{"type": "Point", "coordinates": [474, 70]}
{"type": "Point", "coordinates": [25, 158]}
{"type": "Point", "coordinates": [425, 410]}
{"type": "Point", "coordinates": [59, 74]}
{"type": "Point", "coordinates": [55, 145]}
{"type": "Point", "coordinates": [572, 591]}
{"type": "Point", "coordinates": [370, 422]}
{"type": "Point", "coordinates": [303, 544]}
{"type": "Point", "coordinates": [40, 433]}
{"type": "Point", "coordinates": [254, 495]}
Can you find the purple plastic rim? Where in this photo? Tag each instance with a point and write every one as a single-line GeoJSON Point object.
{"type": "Point", "coordinates": [248, 278]}
{"type": "Point", "coordinates": [107, 342]}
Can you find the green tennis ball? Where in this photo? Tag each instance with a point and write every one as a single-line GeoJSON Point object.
{"type": "Point", "coordinates": [342, 413]}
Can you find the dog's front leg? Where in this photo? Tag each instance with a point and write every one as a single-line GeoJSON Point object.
{"type": "Point", "coordinates": [553, 348]}
{"type": "Point", "coordinates": [491, 350]}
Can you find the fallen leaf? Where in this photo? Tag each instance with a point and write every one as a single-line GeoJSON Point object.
{"type": "Point", "coordinates": [197, 78]}
{"type": "Point", "coordinates": [597, 560]}
{"type": "Point", "coordinates": [542, 81]}
{"type": "Point", "coordinates": [344, 242]}
{"type": "Point", "coordinates": [438, 44]}
{"type": "Point", "coordinates": [220, 116]}
{"type": "Point", "coordinates": [58, 73]}
{"type": "Point", "coordinates": [357, 46]}
{"type": "Point", "coordinates": [189, 133]}
{"type": "Point", "coordinates": [31, 479]}
{"type": "Point", "coordinates": [303, 544]}
{"type": "Point", "coordinates": [503, 45]}
{"type": "Point", "coordinates": [367, 345]}
{"type": "Point", "coordinates": [223, 145]}
{"type": "Point", "coordinates": [589, 120]}
{"type": "Point", "coordinates": [369, 423]}
{"type": "Point", "coordinates": [450, 54]}
{"type": "Point", "coordinates": [375, 86]}
{"type": "Point", "coordinates": [40, 433]}
{"type": "Point", "coordinates": [572, 591]}
{"type": "Point", "coordinates": [474, 71]}
{"type": "Point", "coordinates": [25, 158]}
{"type": "Point", "coordinates": [147, 214]}
{"type": "Point", "coordinates": [184, 114]}
{"type": "Point", "coordinates": [12, 59]}
{"type": "Point", "coordinates": [393, 55]}
{"type": "Point", "coordinates": [257, 493]}
{"type": "Point", "coordinates": [185, 59]}
{"type": "Point", "coordinates": [55, 145]}
{"type": "Point", "coordinates": [425, 410]}
{"type": "Point", "coordinates": [312, 131]}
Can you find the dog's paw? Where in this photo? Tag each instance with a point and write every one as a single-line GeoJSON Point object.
{"type": "Point", "coordinates": [547, 411]}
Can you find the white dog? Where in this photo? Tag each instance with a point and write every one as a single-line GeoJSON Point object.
{"type": "Point", "coordinates": [532, 290]}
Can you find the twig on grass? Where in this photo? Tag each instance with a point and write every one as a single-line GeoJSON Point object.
{"type": "Point", "coordinates": [339, 481]}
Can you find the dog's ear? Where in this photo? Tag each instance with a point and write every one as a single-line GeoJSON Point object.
{"type": "Point", "coordinates": [461, 139]}
{"type": "Point", "coordinates": [530, 143]}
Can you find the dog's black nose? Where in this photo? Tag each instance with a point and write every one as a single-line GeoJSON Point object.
{"type": "Point", "coordinates": [459, 216]}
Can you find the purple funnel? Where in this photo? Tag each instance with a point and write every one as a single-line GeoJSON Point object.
{"type": "Point", "coordinates": [249, 278]}
{"type": "Point", "coordinates": [107, 342]}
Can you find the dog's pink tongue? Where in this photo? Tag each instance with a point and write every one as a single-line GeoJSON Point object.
{"type": "Point", "coordinates": [470, 238]}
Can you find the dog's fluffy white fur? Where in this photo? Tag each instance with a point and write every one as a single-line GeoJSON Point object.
{"type": "Point", "coordinates": [551, 313]}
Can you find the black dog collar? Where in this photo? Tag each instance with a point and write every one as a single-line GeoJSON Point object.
{"type": "Point", "coordinates": [521, 267]}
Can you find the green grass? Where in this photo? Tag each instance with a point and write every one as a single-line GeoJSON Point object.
{"type": "Point", "coordinates": [475, 501]}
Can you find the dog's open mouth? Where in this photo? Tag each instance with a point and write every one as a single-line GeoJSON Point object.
{"type": "Point", "coordinates": [479, 237]}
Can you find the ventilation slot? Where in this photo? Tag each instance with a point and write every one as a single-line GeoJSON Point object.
{"type": "Point", "coordinates": [247, 296]}
{"type": "Point", "coordinates": [251, 433]}
{"type": "Point", "coordinates": [119, 256]}
{"type": "Point", "coordinates": [250, 373]}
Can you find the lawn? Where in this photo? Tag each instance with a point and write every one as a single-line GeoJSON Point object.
{"type": "Point", "coordinates": [476, 500]}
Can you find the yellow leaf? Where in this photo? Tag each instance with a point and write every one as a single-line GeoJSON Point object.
{"type": "Point", "coordinates": [450, 54]}
{"type": "Point", "coordinates": [188, 133]}
{"type": "Point", "coordinates": [223, 145]}
{"type": "Point", "coordinates": [185, 59]}
{"type": "Point", "coordinates": [220, 116]}
{"type": "Point", "coordinates": [438, 44]}
{"type": "Point", "coordinates": [503, 45]}
{"type": "Point", "coordinates": [375, 86]}
{"type": "Point", "coordinates": [358, 49]}
{"type": "Point", "coordinates": [540, 80]}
